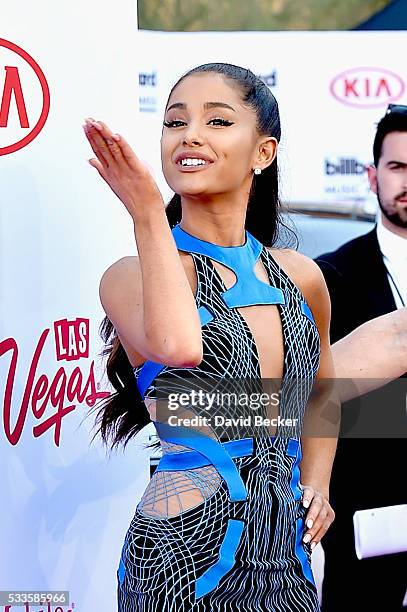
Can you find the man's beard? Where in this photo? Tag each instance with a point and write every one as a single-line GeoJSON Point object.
{"type": "Point", "coordinates": [394, 218]}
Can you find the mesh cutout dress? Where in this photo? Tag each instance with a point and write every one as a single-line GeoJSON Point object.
{"type": "Point", "coordinates": [220, 525]}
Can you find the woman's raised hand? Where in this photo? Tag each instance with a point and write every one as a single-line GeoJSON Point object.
{"type": "Point", "coordinates": [118, 165]}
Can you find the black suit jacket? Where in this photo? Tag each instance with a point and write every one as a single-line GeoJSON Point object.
{"type": "Point", "coordinates": [358, 285]}
{"type": "Point", "coordinates": [368, 471]}
{"type": "Point", "coordinates": [359, 289]}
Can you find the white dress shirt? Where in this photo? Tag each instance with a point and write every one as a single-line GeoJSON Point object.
{"type": "Point", "coordinates": [394, 251]}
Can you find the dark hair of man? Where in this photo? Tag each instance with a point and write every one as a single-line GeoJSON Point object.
{"type": "Point", "coordinates": [391, 122]}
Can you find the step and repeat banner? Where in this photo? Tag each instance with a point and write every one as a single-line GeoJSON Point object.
{"type": "Point", "coordinates": [332, 88]}
{"type": "Point", "coordinates": [67, 503]}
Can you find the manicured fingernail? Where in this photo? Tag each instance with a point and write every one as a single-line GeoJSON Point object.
{"type": "Point", "coordinates": [94, 123]}
{"type": "Point", "coordinates": [309, 523]}
{"type": "Point", "coordinates": [307, 538]}
{"type": "Point", "coordinates": [305, 503]}
{"type": "Point", "coordinates": [313, 544]}
{"type": "Point", "coordinates": [116, 137]}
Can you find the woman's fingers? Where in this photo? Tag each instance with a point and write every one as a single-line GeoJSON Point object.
{"type": "Point", "coordinates": [109, 147]}
{"type": "Point", "coordinates": [313, 514]}
{"type": "Point", "coordinates": [315, 524]}
{"type": "Point", "coordinates": [319, 516]}
{"type": "Point", "coordinates": [323, 526]}
{"type": "Point", "coordinates": [99, 167]}
{"type": "Point", "coordinates": [98, 144]}
{"type": "Point", "coordinates": [128, 153]}
{"type": "Point", "coordinates": [307, 496]}
{"type": "Point", "coordinates": [119, 167]}
{"type": "Point", "coordinates": [110, 141]}
{"type": "Point", "coordinates": [320, 534]}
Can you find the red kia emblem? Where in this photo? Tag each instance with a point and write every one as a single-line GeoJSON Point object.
{"type": "Point", "coordinates": [367, 87]}
{"type": "Point", "coordinates": [24, 98]}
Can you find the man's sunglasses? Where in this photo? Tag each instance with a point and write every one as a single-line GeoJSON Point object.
{"type": "Point", "coordinates": [401, 109]}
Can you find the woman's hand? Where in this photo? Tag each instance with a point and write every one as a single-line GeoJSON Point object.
{"type": "Point", "coordinates": [319, 516]}
{"type": "Point", "coordinates": [118, 165]}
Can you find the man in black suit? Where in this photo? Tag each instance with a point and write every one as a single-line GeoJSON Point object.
{"type": "Point", "coordinates": [366, 278]}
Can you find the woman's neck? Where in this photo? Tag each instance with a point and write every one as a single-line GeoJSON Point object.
{"type": "Point", "coordinates": [221, 224]}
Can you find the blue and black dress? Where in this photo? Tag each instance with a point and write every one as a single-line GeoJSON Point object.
{"type": "Point", "coordinates": [220, 525]}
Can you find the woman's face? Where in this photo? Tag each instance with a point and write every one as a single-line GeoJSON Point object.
{"type": "Point", "coordinates": [209, 138]}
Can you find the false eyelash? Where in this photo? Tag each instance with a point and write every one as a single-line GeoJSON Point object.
{"type": "Point", "coordinates": [171, 123]}
{"type": "Point", "coordinates": [224, 122]}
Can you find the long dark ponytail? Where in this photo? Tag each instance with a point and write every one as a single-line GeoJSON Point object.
{"type": "Point", "coordinates": [123, 414]}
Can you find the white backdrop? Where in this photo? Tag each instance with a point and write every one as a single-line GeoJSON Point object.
{"type": "Point", "coordinates": [332, 88]}
{"type": "Point", "coordinates": [66, 506]}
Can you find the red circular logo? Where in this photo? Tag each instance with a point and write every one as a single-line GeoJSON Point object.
{"type": "Point", "coordinates": [13, 93]}
{"type": "Point", "coordinates": [367, 87]}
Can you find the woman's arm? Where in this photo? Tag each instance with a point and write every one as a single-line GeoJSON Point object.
{"type": "Point", "coordinates": [322, 418]}
{"type": "Point", "coordinates": [148, 299]}
{"type": "Point", "coordinates": [372, 355]}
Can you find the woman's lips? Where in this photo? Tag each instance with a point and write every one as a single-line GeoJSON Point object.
{"type": "Point", "coordinates": [192, 156]}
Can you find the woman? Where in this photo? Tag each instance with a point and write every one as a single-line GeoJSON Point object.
{"type": "Point", "coordinates": [221, 523]}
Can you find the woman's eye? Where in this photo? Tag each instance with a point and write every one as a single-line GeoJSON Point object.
{"type": "Point", "coordinates": [174, 123]}
{"type": "Point", "coordinates": [220, 121]}
{"type": "Point", "coordinates": [178, 122]}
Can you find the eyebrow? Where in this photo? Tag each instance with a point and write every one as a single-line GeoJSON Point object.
{"type": "Point", "coordinates": [207, 105]}
{"type": "Point", "coordinates": [398, 163]}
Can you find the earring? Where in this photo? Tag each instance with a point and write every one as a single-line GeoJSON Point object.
{"type": "Point", "coordinates": [257, 171]}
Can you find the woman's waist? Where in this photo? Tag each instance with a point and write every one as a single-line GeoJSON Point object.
{"type": "Point", "coordinates": [188, 458]}
{"type": "Point", "coordinates": [186, 453]}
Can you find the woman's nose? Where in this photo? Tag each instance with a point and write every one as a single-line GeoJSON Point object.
{"type": "Point", "coordinates": [191, 137]}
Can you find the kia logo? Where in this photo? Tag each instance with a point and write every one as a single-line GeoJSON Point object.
{"type": "Point", "coordinates": [24, 98]}
{"type": "Point", "coordinates": [367, 87]}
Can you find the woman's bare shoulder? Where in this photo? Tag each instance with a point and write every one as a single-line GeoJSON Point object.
{"type": "Point", "coordinates": [121, 265]}
{"type": "Point", "coordinates": [302, 270]}
{"type": "Point", "coordinates": [125, 273]}
{"type": "Point", "coordinates": [129, 263]}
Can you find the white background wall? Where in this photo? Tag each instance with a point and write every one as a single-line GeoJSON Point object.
{"type": "Point", "coordinates": [65, 508]}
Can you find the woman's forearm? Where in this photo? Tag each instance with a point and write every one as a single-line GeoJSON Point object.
{"type": "Point", "coordinates": [320, 432]}
{"type": "Point", "coordinates": [316, 465]}
{"type": "Point", "coordinates": [169, 310]}
{"type": "Point", "coordinates": [372, 355]}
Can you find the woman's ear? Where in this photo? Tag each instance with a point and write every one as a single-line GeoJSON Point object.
{"type": "Point", "coordinates": [266, 152]}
